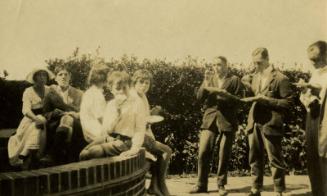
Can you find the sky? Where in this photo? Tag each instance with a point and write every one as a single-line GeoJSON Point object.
{"type": "Point", "coordinates": [32, 31]}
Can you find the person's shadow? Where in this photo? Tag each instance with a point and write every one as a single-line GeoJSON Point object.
{"type": "Point", "coordinates": [303, 194]}
{"type": "Point", "coordinates": [270, 188]}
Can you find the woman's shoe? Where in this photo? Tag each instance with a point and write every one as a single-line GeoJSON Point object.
{"type": "Point", "coordinates": [26, 162]}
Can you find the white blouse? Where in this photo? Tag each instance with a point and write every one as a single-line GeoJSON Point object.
{"type": "Point", "coordinates": [128, 120]}
{"type": "Point", "coordinates": [145, 107]}
{"type": "Point", "coordinates": [31, 100]}
{"type": "Point", "coordinates": [91, 112]}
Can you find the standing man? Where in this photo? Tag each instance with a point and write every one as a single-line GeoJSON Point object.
{"type": "Point", "coordinates": [272, 98]}
{"type": "Point", "coordinates": [219, 94]}
{"type": "Point", "coordinates": [314, 97]}
{"type": "Point", "coordinates": [61, 106]}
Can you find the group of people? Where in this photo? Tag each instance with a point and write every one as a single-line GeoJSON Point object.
{"type": "Point", "coordinates": [61, 121]}
{"type": "Point", "coordinates": [271, 95]}
{"type": "Point", "coordinates": [62, 124]}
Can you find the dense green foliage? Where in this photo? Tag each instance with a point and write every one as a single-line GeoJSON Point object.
{"type": "Point", "coordinates": [173, 88]}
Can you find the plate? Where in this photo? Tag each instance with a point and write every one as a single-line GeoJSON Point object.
{"type": "Point", "coordinates": [155, 119]}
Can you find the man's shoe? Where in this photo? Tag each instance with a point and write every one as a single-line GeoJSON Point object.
{"type": "Point", "coordinates": [254, 192]}
{"type": "Point", "coordinates": [198, 189]}
{"type": "Point", "coordinates": [222, 191]}
{"type": "Point", "coordinates": [279, 194]}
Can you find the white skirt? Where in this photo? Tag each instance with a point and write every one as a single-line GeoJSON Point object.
{"type": "Point", "coordinates": [28, 137]}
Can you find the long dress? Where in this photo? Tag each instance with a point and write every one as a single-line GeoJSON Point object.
{"type": "Point", "coordinates": [28, 136]}
{"type": "Point", "coordinates": [316, 133]}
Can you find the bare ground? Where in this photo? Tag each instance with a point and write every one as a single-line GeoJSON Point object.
{"type": "Point", "coordinates": [295, 185]}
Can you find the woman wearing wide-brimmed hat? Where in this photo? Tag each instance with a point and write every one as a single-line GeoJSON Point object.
{"type": "Point", "coordinates": [25, 147]}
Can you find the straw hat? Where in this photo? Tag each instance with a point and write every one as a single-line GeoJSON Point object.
{"type": "Point", "coordinates": [29, 77]}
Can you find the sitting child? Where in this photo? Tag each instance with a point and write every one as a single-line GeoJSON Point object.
{"type": "Point", "coordinates": [123, 121]}
{"type": "Point", "coordinates": [141, 83]}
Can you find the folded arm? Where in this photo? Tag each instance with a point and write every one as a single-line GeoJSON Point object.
{"type": "Point", "coordinates": [285, 94]}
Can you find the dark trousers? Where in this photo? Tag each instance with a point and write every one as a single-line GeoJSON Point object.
{"type": "Point", "coordinates": [207, 142]}
{"type": "Point", "coordinates": [317, 166]}
{"type": "Point", "coordinates": [64, 151]}
{"type": "Point", "coordinates": [258, 141]}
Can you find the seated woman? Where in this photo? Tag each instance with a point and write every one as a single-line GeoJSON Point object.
{"type": "Point", "coordinates": [26, 146]}
{"type": "Point", "coordinates": [141, 81]}
{"type": "Point", "coordinates": [93, 104]}
{"type": "Point", "coordinates": [124, 123]}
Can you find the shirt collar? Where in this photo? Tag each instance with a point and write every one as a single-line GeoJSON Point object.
{"type": "Point", "coordinates": [268, 70]}
{"type": "Point", "coordinates": [60, 89]}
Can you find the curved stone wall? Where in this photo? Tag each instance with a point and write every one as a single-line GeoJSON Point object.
{"type": "Point", "coordinates": [106, 176]}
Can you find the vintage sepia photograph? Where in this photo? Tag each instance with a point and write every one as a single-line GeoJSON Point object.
{"type": "Point", "coordinates": [163, 97]}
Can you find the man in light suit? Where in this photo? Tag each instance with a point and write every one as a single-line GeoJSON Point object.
{"type": "Point", "coordinates": [272, 98]}
{"type": "Point", "coordinates": [61, 107]}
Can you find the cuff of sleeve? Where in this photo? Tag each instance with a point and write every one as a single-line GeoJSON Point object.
{"type": "Point", "coordinates": [271, 101]}
{"type": "Point", "coordinates": [134, 147]}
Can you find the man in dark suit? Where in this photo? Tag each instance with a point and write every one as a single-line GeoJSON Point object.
{"type": "Point", "coordinates": [61, 107]}
{"type": "Point", "coordinates": [219, 93]}
{"type": "Point", "coordinates": [272, 98]}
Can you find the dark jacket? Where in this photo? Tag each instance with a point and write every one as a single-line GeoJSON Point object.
{"type": "Point", "coordinates": [271, 115]}
{"type": "Point", "coordinates": [54, 104]}
{"type": "Point", "coordinates": [219, 110]}
{"type": "Point", "coordinates": [54, 100]}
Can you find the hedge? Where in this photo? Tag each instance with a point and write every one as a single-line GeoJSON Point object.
{"type": "Point", "coordinates": [173, 88]}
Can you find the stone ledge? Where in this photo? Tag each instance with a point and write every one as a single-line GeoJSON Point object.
{"type": "Point", "coordinates": [109, 176]}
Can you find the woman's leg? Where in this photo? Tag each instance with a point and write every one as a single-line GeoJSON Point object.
{"type": "Point", "coordinates": [32, 150]}
{"type": "Point", "coordinates": [159, 169]}
{"type": "Point", "coordinates": [154, 188]}
{"type": "Point", "coordinates": [31, 161]}
{"type": "Point", "coordinates": [43, 143]}
{"type": "Point", "coordinates": [163, 162]}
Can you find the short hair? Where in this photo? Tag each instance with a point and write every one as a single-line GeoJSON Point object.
{"type": "Point", "coordinates": [60, 68]}
{"type": "Point", "coordinates": [260, 54]}
{"type": "Point", "coordinates": [97, 76]}
{"type": "Point", "coordinates": [120, 77]}
{"type": "Point", "coordinates": [141, 74]}
{"type": "Point", "coordinates": [223, 59]}
{"type": "Point", "coordinates": [38, 72]}
{"type": "Point", "coordinates": [322, 46]}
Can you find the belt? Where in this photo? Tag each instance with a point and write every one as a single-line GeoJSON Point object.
{"type": "Point", "coordinates": [119, 136]}
{"type": "Point", "coordinates": [37, 111]}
